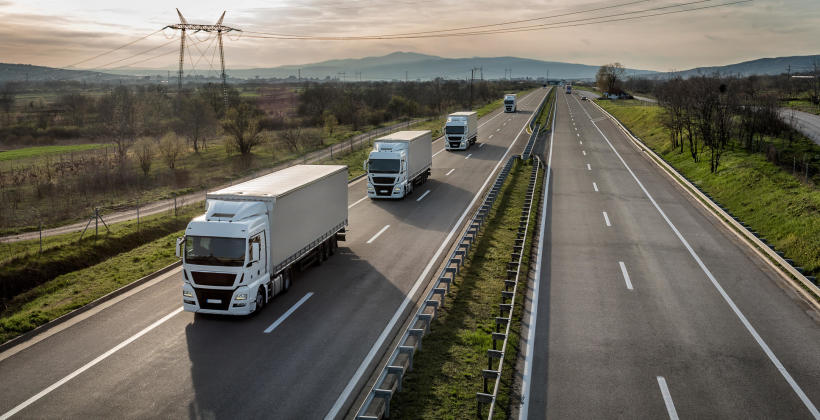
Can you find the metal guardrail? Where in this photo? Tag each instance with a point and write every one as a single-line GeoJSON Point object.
{"type": "Point", "coordinates": [506, 309]}
{"type": "Point", "coordinates": [401, 360]}
{"type": "Point", "coordinates": [527, 153]}
{"type": "Point", "coordinates": [810, 283]}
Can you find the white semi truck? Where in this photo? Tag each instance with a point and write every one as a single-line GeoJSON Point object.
{"type": "Point", "coordinates": [461, 130]}
{"type": "Point", "coordinates": [509, 102]}
{"type": "Point", "coordinates": [255, 235]}
{"type": "Point", "coordinates": [399, 162]}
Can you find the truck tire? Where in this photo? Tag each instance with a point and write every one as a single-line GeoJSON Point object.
{"type": "Point", "coordinates": [334, 245]}
{"type": "Point", "coordinates": [287, 276]}
{"type": "Point", "coordinates": [260, 300]}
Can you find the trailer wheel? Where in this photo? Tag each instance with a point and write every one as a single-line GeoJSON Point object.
{"type": "Point", "coordinates": [333, 245]}
{"type": "Point", "coordinates": [286, 278]}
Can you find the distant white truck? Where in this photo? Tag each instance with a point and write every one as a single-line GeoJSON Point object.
{"type": "Point", "coordinates": [399, 162]}
{"type": "Point", "coordinates": [253, 236]}
{"type": "Point", "coordinates": [461, 130]}
{"type": "Point", "coordinates": [509, 102]}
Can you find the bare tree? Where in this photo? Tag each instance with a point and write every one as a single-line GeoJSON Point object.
{"type": "Point", "coordinates": [145, 153]}
{"type": "Point", "coordinates": [291, 137]}
{"type": "Point", "coordinates": [118, 110]}
{"type": "Point", "coordinates": [242, 125]}
{"type": "Point", "coordinates": [7, 98]}
{"type": "Point", "coordinates": [76, 106]}
{"type": "Point", "coordinates": [197, 121]}
{"type": "Point", "coordinates": [170, 149]}
{"type": "Point", "coordinates": [609, 78]}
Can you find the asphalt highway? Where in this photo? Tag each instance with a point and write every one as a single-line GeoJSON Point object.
{"type": "Point", "coordinates": [305, 356]}
{"type": "Point", "coordinates": [645, 305]}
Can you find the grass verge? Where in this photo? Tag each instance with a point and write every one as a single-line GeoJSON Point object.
{"type": "Point", "coordinates": [39, 151]}
{"type": "Point", "coordinates": [447, 371]}
{"type": "Point", "coordinates": [765, 196]}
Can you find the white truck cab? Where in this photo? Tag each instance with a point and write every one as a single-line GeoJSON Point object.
{"type": "Point", "coordinates": [397, 163]}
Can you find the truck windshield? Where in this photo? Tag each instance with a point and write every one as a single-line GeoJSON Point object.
{"type": "Point", "coordinates": [509, 101]}
{"type": "Point", "coordinates": [210, 250]}
{"type": "Point", "coordinates": [454, 129]}
{"type": "Point", "coordinates": [386, 166]}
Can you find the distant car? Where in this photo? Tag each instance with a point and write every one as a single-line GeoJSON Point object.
{"type": "Point", "coordinates": [583, 98]}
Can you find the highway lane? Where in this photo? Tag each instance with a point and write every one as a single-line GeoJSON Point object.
{"type": "Point", "coordinates": [201, 366]}
{"type": "Point", "coordinates": [630, 323]}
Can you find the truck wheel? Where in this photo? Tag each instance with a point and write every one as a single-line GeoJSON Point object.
{"type": "Point", "coordinates": [334, 245]}
{"type": "Point", "coordinates": [260, 301]}
{"type": "Point", "coordinates": [286, 278]}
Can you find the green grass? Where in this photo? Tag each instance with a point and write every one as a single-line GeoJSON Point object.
{"type": "Point", "coordinates": [40, 151]}
{"type": "Point", "coordinates": [447, 371]}
{"type": "Point", "coordinates": [803, 105]}
{"type": "Point", "coordinates": [768, 198]}
{"type": "Point", "coordinates": [76, 289]}
{"type": "Point", "coordinates": [546, 112]}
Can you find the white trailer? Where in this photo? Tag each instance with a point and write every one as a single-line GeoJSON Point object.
{"type": "Point", "coordinates": [461, 130]}
{"type": "Point", "coordinates": [510, 102]}
{"type": "Point", "coordinates": [399, 162]}
{"type": "Point", "coordinates": [255, 235]}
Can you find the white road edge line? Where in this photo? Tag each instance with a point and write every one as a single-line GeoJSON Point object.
{"type": "Point", "coordinates": [378, 233]}
{"type": "Point", "coordinates": [523, 412]}
{"type": "Point", "coordinates": [88, 365]}
{"type": "Point", "coordinates": [765, 347]}
{"type": "Point", "coordinates": [626, 275]}
{"type": "Point", "coordinates": [285, 316]}
{"type": "Point", "coordinates": [468, 156]}
{"type": "Point", "coordinates": [423, 195]}
{"type": "Point", "coordinates": [357, 202]}
{"type": "Point", "coordinates": [594, 185]}
{"type": "Point", "coordinates": [345, 394]}
{"type": "Point", "coordinates": [667, 399]}
{"type": "Point", "coordinates": [606, 219]}
{"type": "Point", "coordinates": [449, 172]}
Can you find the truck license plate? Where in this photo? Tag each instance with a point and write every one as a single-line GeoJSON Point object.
{"type": "Point", "coordinates": [215, 301]}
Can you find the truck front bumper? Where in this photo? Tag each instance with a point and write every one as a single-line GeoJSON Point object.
{"type": "Point", "coordinates": [385, 191]}
{"type": "Point", "coordinates": [216, 301]}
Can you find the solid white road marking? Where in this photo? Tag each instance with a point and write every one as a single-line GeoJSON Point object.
{"type": "Point", "coordinates": [377, 234]}
{"type": "Point", "coordinates": [667, 399]}
{"type": "Point", "coordinates": [449, 172]}
{"type": "Point", "coordinates": [88, 365]}
{"type": "Point", "coordinates": [434, 154]}
{"type": "Point", "coordinates": [594, 185]}
{"type": "Point", "coordinates": [526, 378]}
{"type": "Point", "coordinates": [606, 219]}
{"type": "Point", "coordinates": [589, 168]}
{"type": "Point", "coordinates": [752, 331]}
{"type": "Point", "coordinates": [481, 145]}
{"type": "Point", "coordinates": [423, 195]}
{"type": "Point", "coordinates": [285, 316]}
{"type": "Point", "coordinates": [357, 202]}
{"type": "Point", "coordinates": [626, 275]}
{"type": "Point", "coordinates": [468, 156]}
{"type": "Point", "coordinates": [345, 394]}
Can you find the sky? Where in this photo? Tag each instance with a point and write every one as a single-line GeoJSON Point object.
{"type": "Point", "coordinates": [68, 33]}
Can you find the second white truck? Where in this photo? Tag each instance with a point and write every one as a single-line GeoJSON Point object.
{"type": "Point", "coordinates": [399, 162]}
{"type": "Point", "coordinates": [509, 102]}
{"type": "Point", "coordinates": [461, 130]}
{"type": "Point", "coordinates": [255, 235]}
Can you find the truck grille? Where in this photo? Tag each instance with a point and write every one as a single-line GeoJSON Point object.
{"type": "Point", "coordinates": [456, 138]}
{"type": "Point", "coordinates": [223, 296]}
{"type": "Point", "coordinates": [383, 180]}
{"type": "Point", "coordinates": [213, 279]}
{"type": "Point", "coordinates": [383, 191]}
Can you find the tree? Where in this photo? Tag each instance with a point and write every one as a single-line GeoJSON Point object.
{"type": "Point", "coordinates": [242, 125]}
{"type": "Point", "coordinates": [170, 149]}
{"type": "Point", "coordinates": [609, 78]}
{"type": "Point", "coordinates": [76, 106]}
{"type": "Point", "coordinates": [330, 123]}
{"type": "Point", "coordinates": [145, 154]}
{"type": "Point", "coordinates": [197, 120]}
{"type": "Point", "coordinates": [292, 137]}
{"type": "Point", "coordinates": [7, 98]}
{"type": "Point", "coordinates": [118, 111]}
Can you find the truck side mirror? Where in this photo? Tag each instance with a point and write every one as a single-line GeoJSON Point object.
{"type": "Point", "coordinates": [255, 252]}
{"type": "Point", "coordinates": [364, 165]}
{"type": "Point", "coordinates": [180, 241]}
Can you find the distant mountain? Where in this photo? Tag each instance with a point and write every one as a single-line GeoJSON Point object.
{"type": "Point", "coordinates": [27, 72]}
{"type": "Point", "coordinates": [398, 65]}
{"type": "Point", "coordinates": [761, 66]}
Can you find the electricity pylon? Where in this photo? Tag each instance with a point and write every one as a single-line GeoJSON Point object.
{"type": "Point", "coordinates": [219, 28]}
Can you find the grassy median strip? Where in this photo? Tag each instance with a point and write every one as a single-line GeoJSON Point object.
{"type": "Point", "coordinates": [447, 371]}
{"type": "Point", "coordinates": [765, 196]}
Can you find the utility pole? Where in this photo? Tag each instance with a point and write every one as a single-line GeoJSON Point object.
{"type": "Point", "coordinates": [405, 76]}
{"type": "Point", "coordinates": [299, 73]}
{"type": "Point", "coordinates": [219, 28]}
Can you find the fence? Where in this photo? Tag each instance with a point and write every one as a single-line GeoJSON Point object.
{"type": "Point", "coordinates": [513, 274]}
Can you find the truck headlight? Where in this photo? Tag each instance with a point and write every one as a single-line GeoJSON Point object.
{"type": "Point", "coordinates": [397, 189]}
{"type": "Point", "coordinates": [241, 296]}
{"type": "Point", "coordinates": [187, 293]}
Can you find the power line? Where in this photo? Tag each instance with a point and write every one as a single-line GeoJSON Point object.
{"type": "Point", "coordinates": [115, 49]}
{"type": "Point", "coordinates": [565, 24]}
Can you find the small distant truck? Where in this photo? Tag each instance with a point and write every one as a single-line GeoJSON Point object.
{"type": "Point", "coordinates": [569, 89]}
{"type": "Point", "coordinates": [461, 130]}
{"type": "Point", "coordinates": [509, 102]}
{"type": "Point", "coordinates": [399, 162]}
{"type": "Point", "coordinates": [255, 235]}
